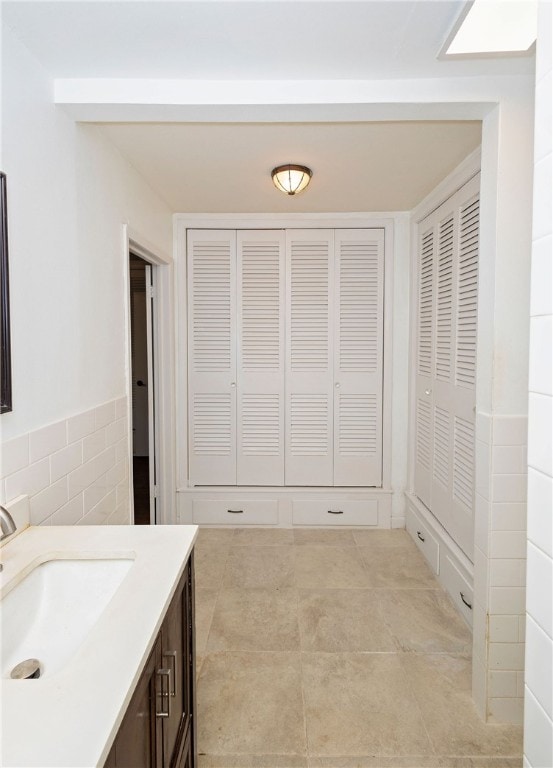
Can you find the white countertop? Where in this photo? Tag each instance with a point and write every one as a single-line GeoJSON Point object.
{"type": "Point", "coordinates": [69, 719]}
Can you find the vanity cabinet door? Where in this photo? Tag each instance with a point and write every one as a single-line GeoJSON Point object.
{"type": "Point", "coordinates": [138, 741]}
{"type": "Point", "coordinates": [158, 730]}
{"type": "Point", "coordinates": [174, 658]}
{"type": "Point", "coordinates": [177, 643]}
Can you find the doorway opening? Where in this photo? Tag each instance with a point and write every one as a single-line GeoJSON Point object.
{"type": "Point", "coordinates": [144, 480]}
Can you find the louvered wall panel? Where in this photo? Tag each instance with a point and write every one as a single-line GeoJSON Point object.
{"type": "Point", "coordinates": [444, 300]}
{"type": "Point", "coordinates": [358, 425]}
{"type": "Point", "coordinates": [442, 446]}
{"type": "Point", "coordinates": [463, 462]}
{"type": "Point", "coordinates": [212, 356]}
{"type": "Point", "coordinates": [426, 303]}
{"type": "Point", "coordinates": [261, 301]}
{"type": "Point", "coordinates": [467, 299]}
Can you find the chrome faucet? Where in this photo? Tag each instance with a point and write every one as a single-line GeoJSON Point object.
{"type": "Point", "coordinates": [7, 524]}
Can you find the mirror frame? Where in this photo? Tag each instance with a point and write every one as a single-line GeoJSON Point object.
{"type": "Point", "coordinates": [5, 342]}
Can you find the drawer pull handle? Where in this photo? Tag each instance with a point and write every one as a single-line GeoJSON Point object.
{"type": "Point", "coordinates": [469, 605]}
{"type": "Point", "coordinates": [335, 511]}
{"type": "Point", "coordinates": [164, 693]}
{"type": "Point", "coordinates": [421, 537]}
{"type": "Point", "coordinates": [235, 511]}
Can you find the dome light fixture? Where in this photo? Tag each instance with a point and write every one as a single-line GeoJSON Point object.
{"type": "Point", "coordinates": [291, 179]}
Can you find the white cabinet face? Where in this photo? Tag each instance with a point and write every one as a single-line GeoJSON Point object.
{"type": "Point", "coordinates": [285, 357]}
{"type": "Point", "coordinates": [447, 273]}
{"type": "Point", "coordinates": [212, 356]}
{"type": "Point", "coordinates": [260, 340]}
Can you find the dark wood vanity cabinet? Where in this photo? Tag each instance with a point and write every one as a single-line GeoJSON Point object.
{"type": "Point", "coordinates": [158, 728]}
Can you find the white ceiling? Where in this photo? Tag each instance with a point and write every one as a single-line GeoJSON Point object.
{"type": "Point", "coordinates": [356, 166]}
{"type": "Point", "coordinates": [255, 40]}
{"type": "Point", "coordinates": [218, 167]}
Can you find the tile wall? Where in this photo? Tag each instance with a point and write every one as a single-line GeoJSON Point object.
{"type": "Point", "coordinates": [500, 567]}
{"type": "Point", "coordinates": [75, 471]}
{"type": "Point", "coordinates": [538, 718]}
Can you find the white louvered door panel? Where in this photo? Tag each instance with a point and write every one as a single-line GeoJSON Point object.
{"type": "Point", "coordinates": [443, 393]}
{"type": "Point", "coordinates": [464, 373]}
{"type": "Point", "coordinates": [358, 356]}
{"type": "Point", "coordinates": [212, 356]}
{"type": "Point", "coordinates": [309, 357]}
{"type": "Point", "coordinates": [446, 364]}
{"type": "Point", "coordinates": [260, 386]}
{"type": "Point", "coordinates": [424, 362]}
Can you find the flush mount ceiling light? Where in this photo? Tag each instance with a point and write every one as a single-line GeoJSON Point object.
{"type": "Point", "coordinates": [291, 179]}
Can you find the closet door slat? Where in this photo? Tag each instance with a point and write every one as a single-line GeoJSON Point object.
{"type": "Point", "coordinates": [358, 356]}
{"type": "Point", "coordinates": [260, 386]}
{"type": "Point", "coordinates": [446, 363]}
{"type": "Point", "coordinates": [309, 357]}
{"type": "Point", "coordinates": [212, 356]}
{"type": "Point", "coordinates": [424, 432]}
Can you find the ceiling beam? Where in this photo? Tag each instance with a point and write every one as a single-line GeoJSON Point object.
{"type": "Point", "coordinates": [131, 100]}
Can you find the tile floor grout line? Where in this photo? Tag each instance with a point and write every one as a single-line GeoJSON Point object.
{"type": "Point", "coordinates": [304, 710]}
{"type": "Point", "coordinates": [218, 590]}
{"type": "Point", "coordinates": [416, 700]}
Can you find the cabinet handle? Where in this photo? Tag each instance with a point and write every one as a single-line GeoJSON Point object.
{"type": "Point", "coordinates": [420, 536]}
{"type": "Point", "coordinates": [427, 391]}
{"type": "Point", "coordinates": [235, 511]}
{"type": "Point", "coordinates": [163, 694]}
{"type": "Point", "coordinates": [172, 656]}
{"type": "Point", "coordinates": [335, 511]}
{"type": "Point", "coordinates": [469, 605]}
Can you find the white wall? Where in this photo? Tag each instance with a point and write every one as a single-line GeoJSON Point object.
{"type": "Point", "coordinates": [69, 193]}
{"type": "Point", "coordinates": [538, 720]}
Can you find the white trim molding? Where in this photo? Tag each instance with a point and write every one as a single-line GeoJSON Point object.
{"type": "Point", "coordinates": [395, 226]}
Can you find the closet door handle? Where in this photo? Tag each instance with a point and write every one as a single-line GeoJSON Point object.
{"type": "Point", "coordinates": [427, 391]}
{"type": "Point", "coordinates": [421, 537]}
{"type": "Point", "coordinates": [469, 605]}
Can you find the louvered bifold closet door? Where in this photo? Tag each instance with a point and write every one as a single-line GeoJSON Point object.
{"type": "Point", "coordinates": [424, 362]}
{"type": "Point", "coordinates": [446, 363]}
{"type": "Point", "coordinates": [260, 385]}
{"type": "Point", "coordinates": [212, 356]}
{"type": "Point", "coordinates": [463, 380]}
{"type": "Point", "coordinates": [358, 356]}
{"type": "Point", "coordinates": [309, 357]}
{"type": "Point", "coordinates": [443, 395]}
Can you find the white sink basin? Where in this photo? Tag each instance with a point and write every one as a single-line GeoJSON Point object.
{"type": "Point", "coordinates": [50, 612]}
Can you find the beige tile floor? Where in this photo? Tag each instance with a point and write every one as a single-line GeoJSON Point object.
{"type": "Point", "coordinates": [333, 649]}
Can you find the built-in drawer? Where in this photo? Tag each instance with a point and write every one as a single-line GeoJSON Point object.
{"type": "Point", "coordinates": [458, 587]}
{"type": "Point", "coordinates": [423, 538]}
{"type": "Point", "coordinates": [235, 511]}
{"type": "Point", "coordinates": [331, 511]}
